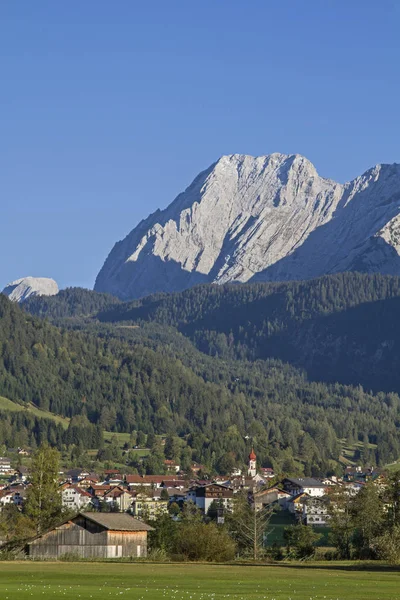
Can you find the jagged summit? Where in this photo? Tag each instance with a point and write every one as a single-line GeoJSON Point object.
{"type": "Point", "coordinates": [260, 218]}
{"type": "Point", "coordinates": [22, 289]}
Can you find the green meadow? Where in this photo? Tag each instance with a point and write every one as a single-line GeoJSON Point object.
{"type": "Point", "coordinates": [141, 581]}
{"type": "Point", "coordinates": [10, 406]}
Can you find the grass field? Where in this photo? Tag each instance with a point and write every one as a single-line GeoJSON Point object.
{"type": "Point", "coordinates": [121, 437]}
{"type": "Point", "coordinates": [10, 406]}
{"type": "Point", "coordinates": [98, 581]}
{"type": "Point", "coordinates": [393, 466]}
{"type": "Point", "coordinates": [348, 457]}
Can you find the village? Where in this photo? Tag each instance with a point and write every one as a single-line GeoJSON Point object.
{"type": "Point", "coordinates": [106, 502]}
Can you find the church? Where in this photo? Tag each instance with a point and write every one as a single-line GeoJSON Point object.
{"type": "Point", "coordinates": [252, 470]}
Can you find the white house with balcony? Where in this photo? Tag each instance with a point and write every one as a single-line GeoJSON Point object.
{"type": "Point", "coordinates": [203, 496]}
{"type": "Point", "coordinates": [5, 466]}
{"type": "Point", "coordinates": [304, 485]}
{"type": "Point", "coordinates": [75, 498]}
{"type": "Point", "coordinates": [315, 512]}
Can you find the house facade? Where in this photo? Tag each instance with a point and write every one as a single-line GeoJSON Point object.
{"type": "Point", "coordinates": [6, 498]}
{"type": "Point", "coordinates": [5, 466]}
{"type": "Point", "coordinates": [149, 505]}
{"type": "Point", "coordinates": [172, 466]}
{"type": "Point", "coordinates": [315, 512]}
{"type": "Point", "coordinates": [119, 498]}
{"type": "Point", "coordinates": [150, 481]}
{"type": "Point", "coordinates": [75, 498]}
{"type": "Point", "coordinates": [267, 472]}
{"type": "Point", "coordinates": [295, 504]}
{"type": "Point", "coordinates": [204, 496]}
{"type": "Point", "coordinates": [304, 485]}
{"type": "Point", "coordinates": [273, 495]}
{"type": "Point", "coordinates": [76, 475]}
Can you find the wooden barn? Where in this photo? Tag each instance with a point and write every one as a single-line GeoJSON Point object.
{"type": "Point", "coordinates": [93, 535]}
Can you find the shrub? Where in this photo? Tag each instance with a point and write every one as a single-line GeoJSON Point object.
{"type": "Point", "coordinates": [388, 546]}
{"type": "Point", "coordinates": [158, 555]}
{"type": "Point", "coordinates": [300, 540]}
{"type": "Point", "coordinates": [199, 541]}
{"type": "Point", "coordinates": [275, 552]}
{"type": "Point", "coordinates": [12, 555]}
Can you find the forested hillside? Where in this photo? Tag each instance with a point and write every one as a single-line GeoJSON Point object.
{"type": "Point", "coordinates": [22, 429]}
{"type": "Point", "coordinates": [341, 327]}
{"type": "Point", "coordinates": [153, 379]}
{"type": "Point", "coordinates": [71, 302]}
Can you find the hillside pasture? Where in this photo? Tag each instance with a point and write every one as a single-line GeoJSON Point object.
{"type": "Point", "coordinates": [10, 406]}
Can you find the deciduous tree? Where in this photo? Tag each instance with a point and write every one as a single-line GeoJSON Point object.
{"type": "Point", "coordinates": [43, 502]}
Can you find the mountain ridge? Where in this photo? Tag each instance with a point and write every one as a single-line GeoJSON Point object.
{"type": "Point", "coordinates": [267, 218]}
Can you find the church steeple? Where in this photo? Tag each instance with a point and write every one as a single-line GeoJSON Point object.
{"type": "Point", "coordinates": [252, 470]}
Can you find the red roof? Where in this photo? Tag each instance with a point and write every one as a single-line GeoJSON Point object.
{"type": "Point", "coordinates": [80, 491]}
{"type": "Point", "coordinates": [197, 467]}
{"type": "Point", "coordinates": [174, 482]}
{"type": "Point", "coordinates": [116, 492]}
{"type": "Point", "coordinates": [149, 478]}
{"type": "Point", "coordinates": [99, 490]}
{"type": "Point", "coordinates": [5, 493]}
{"type": "Point", "coordinates": [252, 455]}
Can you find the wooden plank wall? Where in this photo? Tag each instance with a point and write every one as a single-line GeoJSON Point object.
{"type": "Point", "coordinates": [71, 538]}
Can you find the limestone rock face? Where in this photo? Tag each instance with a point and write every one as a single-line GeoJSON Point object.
{"type": "Point", "coordinates": [266, 218]}
{"type": "Point", "coordinates": [22, 289]}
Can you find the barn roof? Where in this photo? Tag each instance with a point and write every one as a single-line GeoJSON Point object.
{"type": "Point", "coordinates": [117, 521]}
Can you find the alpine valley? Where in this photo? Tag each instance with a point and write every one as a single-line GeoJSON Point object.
{"type": "Point", "coordinates": [261, 304]}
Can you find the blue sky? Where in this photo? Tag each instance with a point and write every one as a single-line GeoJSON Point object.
{"type": "Point", "coordinates": [109, 109]}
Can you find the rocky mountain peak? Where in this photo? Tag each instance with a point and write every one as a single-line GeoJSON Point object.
{"type": "Point", "coordinates": [260, 218]}
{"type": "Point", "coordinates": [22, 289]}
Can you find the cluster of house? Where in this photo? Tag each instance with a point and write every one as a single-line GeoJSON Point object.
{"type": "Point", "coordinates": [307, 497]}
{"type": "Point", "coordinates": [143, 496]}
{"type": "Point", "coordinates": [304, 497]}
{"type": "Point", "coordinates": [112, 509]}
{"type": "Point", "coordinates": [13, 483]}
{"type": "Point", "coordinates": [148, 496]}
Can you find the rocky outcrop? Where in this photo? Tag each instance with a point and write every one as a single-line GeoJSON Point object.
{"type": "Point", "coordinates": [264, 218]}
{"type": "Point", "coordinates": [22, 289]}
